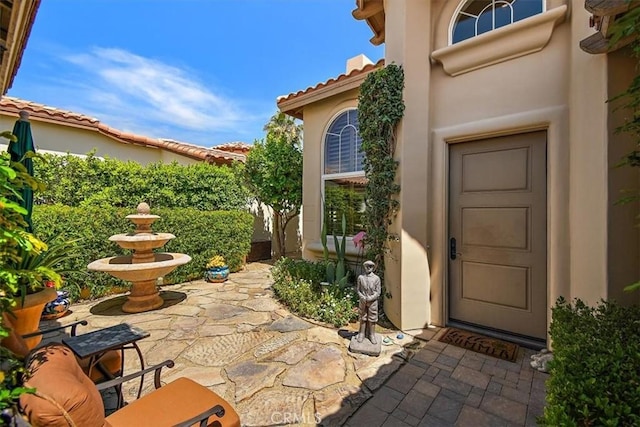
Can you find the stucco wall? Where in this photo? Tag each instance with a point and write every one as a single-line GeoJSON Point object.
{"type": "Point", "coordinates": [554, 86]}
{"type": "Point", "coordinates": [61, 139]}
{"type": "Point", "coordinates": [559, 88]}
{"type": "Point", "coordinates": [623, 250]}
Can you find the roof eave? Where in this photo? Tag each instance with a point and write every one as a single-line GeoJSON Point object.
{"type": "Point", "coordinates": [605, 13]}
{"type": "Point", "coordinates": [23, 15]}
{"type": "Point", "coordinates": [294, 107]}
{"type": "Point", "coordinates": [372, 11]}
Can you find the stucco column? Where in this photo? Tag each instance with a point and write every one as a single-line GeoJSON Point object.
{"type": "Point", "coordinates": [589, 164]}
{"type": "Point", "coordinates": [408, 43]}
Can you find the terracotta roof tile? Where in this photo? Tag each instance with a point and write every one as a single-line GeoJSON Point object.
{"type": "Point", "coordinates": [330, 82]}
{"type": "Point", "coordinates": [12, 106]}
{"type": "Point", "coordinates": [234, 147]}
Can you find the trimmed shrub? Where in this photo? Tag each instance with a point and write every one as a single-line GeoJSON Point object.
{"type": "Point", "coordinates": [117, 183]}
{"type": "Point", "coordinates": [198, 234]}
{"type": "Point", "coordinates": [297, 285]}
{"type": "Point", "coordinates": [595, 373]}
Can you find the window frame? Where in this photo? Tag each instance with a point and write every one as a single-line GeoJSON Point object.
{"type": "Point", "coordinates": [335, 176]}
{"type": "Point", "coordinates": [463, 4]}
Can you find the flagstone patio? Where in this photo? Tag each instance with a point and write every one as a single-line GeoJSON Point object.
{"type": "Point", "coordinates": [277, 369]}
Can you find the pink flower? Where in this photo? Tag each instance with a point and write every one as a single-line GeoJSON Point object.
{"type": "Point", "coordinates": [358, 239]}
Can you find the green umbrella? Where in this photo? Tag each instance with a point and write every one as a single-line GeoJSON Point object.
{"type": "Point", "coordinates": [17, 149]}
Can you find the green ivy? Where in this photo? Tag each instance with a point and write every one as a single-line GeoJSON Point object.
{"type": "Point", "coordinates": [380, 108]}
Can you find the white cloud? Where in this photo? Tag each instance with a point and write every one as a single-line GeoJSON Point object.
{"type": "Point", "coordinates": [149, 97]}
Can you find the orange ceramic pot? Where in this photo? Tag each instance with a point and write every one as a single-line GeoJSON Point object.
{"type": "Point", "coordinates": [27, 315]}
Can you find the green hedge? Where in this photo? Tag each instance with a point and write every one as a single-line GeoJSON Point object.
{"type": "Point", "coordinates": [595, 373]}
{"type": "Point", "coordinates": [200, 234]}
{"type": "Point", "coordinates": [75, 181]}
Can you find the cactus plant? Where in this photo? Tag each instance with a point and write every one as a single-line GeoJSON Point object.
{"type": "Point", "coordinates": [336, 271]}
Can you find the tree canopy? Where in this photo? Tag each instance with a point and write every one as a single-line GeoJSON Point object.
{"type": "Point", "coordinates": [274, 173]}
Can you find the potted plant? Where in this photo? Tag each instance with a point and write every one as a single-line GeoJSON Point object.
{"type": "Point", "coordinates": [217, 270]}
{"type": "Point", "coordinates": [38, 269]}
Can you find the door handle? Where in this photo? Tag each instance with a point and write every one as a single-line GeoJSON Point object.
{"type": "Point", "coordinates": [453, 249]}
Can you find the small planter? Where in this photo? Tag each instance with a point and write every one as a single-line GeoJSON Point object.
{"type": "Point", "coordinates": [27, 316]}
{"type": "Point", "coordinates": [216, 274]}
{"type": "Point", "coordinates": [58, 307]}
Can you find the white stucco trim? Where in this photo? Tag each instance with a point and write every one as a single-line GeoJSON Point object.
{"type": "Point", "coordinates": [508, 42]}
{"type": "Point", "coordinates": [555, 121]}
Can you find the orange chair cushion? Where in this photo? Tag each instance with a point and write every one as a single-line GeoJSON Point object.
{"type": "Point", "coordinates": [171, 404]}
{"type": "Point", "coordinates": [61, 387]}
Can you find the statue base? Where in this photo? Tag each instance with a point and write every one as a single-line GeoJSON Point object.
{"type": "Point", "coordinates": [366, 347]}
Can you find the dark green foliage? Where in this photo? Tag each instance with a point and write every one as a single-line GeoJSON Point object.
{"type": "Point", "coordinates": [297, 285]}
{"type": "Point", "coordinates": [74, 181]}
{"type": "Point", "coordinates": [200, 234]}
{"type": "Point", "coordinates": [595, 374]}
{"type": "Point", "coordinates": [380, 108]}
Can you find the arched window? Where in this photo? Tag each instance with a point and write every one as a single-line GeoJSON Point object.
{"type": "Point", "coordinates": [343, 175]}
{"type": "Point", "coordinates": [481, 16]}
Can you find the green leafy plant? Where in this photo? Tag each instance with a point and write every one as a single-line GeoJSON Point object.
{"type": "Point", "coordinates": [42, 265]}
{"type": "Point", "coordinates": [14, 242]}
{"type": "Point", "coordinates": [297, 285]}
{"type": "Point", "coordinates": [273, 172]}
{"type": "Point", "coordinates": [380, 108]}
{"type": "Point", "coordinates": [595, 373]}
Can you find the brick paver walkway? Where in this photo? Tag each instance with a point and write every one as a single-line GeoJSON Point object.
{"type": "Point", "coordinates": [443, 385]}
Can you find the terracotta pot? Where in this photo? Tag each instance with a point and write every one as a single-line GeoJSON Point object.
{"type": "Point", "coordinates": [28, 315]}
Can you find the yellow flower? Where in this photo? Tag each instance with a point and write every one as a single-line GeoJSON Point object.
{"type": "Point", "coordinates": [2, 377]}
{"type": "Point", "coordinates": [216, 261]}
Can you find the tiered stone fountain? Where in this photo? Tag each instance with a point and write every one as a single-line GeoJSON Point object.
{"type": "Point", "coordinates": [144, 266]}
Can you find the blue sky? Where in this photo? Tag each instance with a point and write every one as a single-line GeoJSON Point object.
{"type": "Point", "coordinates": [199, 71]}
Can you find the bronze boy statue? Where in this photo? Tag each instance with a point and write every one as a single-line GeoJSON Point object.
{"type": "Point", "coordinates": [368, 288]}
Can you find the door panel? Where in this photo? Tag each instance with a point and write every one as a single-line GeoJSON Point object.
{"type": "Point", "coordinates": [498, 203]}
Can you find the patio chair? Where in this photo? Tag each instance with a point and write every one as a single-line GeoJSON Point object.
{"type": "Point", "coordinates": [65, 396]}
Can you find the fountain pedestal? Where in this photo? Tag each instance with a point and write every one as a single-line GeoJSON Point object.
{"type": "Point", "coordinates": [144, 266]}
{"type": "Point", "coordinates": [143, 297]}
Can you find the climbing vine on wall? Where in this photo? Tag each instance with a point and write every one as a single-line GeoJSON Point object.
{"type": "Point", "coordinates": [380, 108]}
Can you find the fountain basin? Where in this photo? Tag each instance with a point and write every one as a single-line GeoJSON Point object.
{"type": "Point", "coordinates": [142, 241]}
{"type": "Point", "coordinates": [123, 268]}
